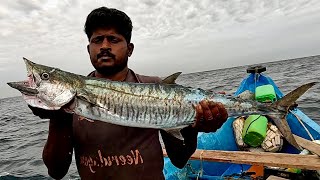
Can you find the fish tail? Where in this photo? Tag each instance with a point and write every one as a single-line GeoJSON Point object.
{"type": "Point", "coordinates": [284, 105]}
{"type": "Point", "coordinates": [290, 99]}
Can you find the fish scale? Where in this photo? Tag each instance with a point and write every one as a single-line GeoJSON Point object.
{"type": "Point", "coordinates": [152, 113]}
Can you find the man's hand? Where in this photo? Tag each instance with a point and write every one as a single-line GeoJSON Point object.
{"type": "Point", "coordinates": [209, 116]}
{"type": "Point", "coordinates": [49, 114]}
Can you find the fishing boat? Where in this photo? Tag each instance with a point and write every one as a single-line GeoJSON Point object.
{"type": "Point", "coordinates": [223, 141]}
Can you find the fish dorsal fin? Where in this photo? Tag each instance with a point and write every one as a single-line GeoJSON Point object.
{"type": "Point", "coordinates": [292, 96]}
{"type": "Point", "coordinates": [171, 79]}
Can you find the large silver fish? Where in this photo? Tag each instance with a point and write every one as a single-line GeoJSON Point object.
{"type": "Point", "coordinates": [152, 105]}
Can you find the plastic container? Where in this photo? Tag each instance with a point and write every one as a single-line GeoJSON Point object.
{"type": "Point", "coordinates": [254, 130]}
{"type": "Point", "coordinates": [265, 93]}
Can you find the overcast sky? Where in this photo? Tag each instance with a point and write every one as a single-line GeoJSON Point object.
{"type": "Point", "coordinates": [169, 35]}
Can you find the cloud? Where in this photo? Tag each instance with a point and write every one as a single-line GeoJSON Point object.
{"type": "Point", "coordinates": [169, 35]}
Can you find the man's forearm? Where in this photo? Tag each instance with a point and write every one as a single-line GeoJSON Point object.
{"type": "Point", "coordinates": [57, 153]}
{"type": "Point", "coordinates": [180, 151]}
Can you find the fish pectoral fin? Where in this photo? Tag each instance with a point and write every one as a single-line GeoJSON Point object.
{"type": "Point", "coordinates": [175, 133]}
{"type": "Point", "coordinates": [84, 95]}
{"type": "Point", "coordinates": [171, 79]}
{"type": "Point", "coordinates": [84, 98]}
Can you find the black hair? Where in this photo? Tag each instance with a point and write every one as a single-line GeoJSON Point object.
{"type": "Point", "coordinates": [108, 17]}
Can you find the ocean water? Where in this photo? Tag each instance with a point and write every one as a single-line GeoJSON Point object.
{"type": "Point", "coordinates": [22, 135]}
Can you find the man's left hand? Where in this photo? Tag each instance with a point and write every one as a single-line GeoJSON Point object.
{"type": "Point", "coordinates": [210, 116]}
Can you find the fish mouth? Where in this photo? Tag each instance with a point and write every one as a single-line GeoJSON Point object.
{"type": "Point", "coordinates": [24, 87]}
{"type": "Point", "coordinates": [27, 87]}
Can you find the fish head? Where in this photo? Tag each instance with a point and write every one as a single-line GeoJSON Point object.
{"type": "Point", "coordinates": [47, 87]}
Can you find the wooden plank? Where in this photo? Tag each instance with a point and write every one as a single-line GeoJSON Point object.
{"type": "Point", "coordinates": [311, 162]}
{"type": "Point", "coordinates": [275, 178]}
{"type": "Point", "coordinates": [307, 144]}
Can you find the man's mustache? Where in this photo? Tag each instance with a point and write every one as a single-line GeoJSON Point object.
{"type": "Point", "coordinates": [105, 53]}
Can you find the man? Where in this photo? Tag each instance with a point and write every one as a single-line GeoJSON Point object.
{"type": "Point", "coordinates": [107, 151]}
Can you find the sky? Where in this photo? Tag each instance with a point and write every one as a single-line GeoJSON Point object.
{"type": "Point", "coordinates": [169, 35]}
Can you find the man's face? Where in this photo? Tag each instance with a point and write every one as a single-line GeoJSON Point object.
{"type": "Point", "coordinates": [109, 51]}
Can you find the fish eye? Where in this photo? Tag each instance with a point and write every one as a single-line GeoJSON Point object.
{"type": "Point", "coordinates": [45, 76]}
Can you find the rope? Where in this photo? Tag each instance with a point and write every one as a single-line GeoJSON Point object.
{"type": "Point", "coordinates": [303, 125]}
{"type": "Point", "coordinates": [201, 166]}
{"type": "Point", "coordinates": [251, 123]}
{"type": "Point", "coordinates": [255, 81]}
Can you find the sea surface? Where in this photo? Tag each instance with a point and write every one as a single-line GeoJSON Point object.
{"type": "Point", "coordinates": [22, 135]}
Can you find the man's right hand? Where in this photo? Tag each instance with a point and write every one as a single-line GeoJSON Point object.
{"type": "Point", "coordinates": [49, 114]}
